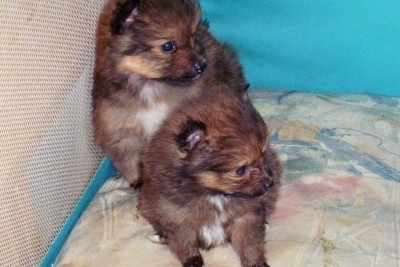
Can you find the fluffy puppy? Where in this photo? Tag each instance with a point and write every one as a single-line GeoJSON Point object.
{"type": "Point", "coordinates": [150, 56]}
{"type": "Point", "coordinates": [209, 177]}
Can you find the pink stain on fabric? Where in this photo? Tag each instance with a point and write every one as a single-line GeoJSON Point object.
{"type": "Point", "coordinates": [297, 194]}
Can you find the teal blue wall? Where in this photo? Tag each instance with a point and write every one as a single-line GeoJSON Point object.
{"type": "Point", "coordinates": [318, 46]}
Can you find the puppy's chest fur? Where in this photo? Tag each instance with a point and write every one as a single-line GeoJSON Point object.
{"type": "Point", "coordinates": [154, 101]}
{"type": "Point", "coordinates": [142, 114]}
{"type": "Point", "coordinates": [151, 115]}
{"type": "Point", "coordinates": [213, 232]}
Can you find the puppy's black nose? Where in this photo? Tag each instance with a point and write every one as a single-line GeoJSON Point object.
{"type": "Point", "coordinates": [199, 67]}
{"type": "Point", "coordinates": [268, 185]}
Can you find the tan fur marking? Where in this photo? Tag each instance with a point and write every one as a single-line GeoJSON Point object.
{"type": "Point", "coordinates": [211, 180]}
{"type": "Point", "coordinates": [140, 66]}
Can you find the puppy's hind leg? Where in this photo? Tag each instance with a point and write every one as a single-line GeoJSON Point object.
{"type": "Point", "coordinates": [125, 156]}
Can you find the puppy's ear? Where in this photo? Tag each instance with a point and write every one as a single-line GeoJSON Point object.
{"type": "Point", "coordinates": [123, 16]}
{"type": "Point", "coordinates": [193, 2]}
{"type": "Point", "coordinates": [206, 23]}
{"type": "Point", "coordinates": [192, 133]}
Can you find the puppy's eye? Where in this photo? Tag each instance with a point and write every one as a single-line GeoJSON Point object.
{"type": "Point", "coordinates": [168, 47]}
{"type": "Point", "coordinates": [241, 171]}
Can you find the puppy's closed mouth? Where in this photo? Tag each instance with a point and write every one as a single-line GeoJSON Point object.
{"type": "Point", "coordinates": [182, 81]}
{"type": "Point", "coordinates": [248, 196]}
{"type": "Point", "coordinates": [266, 188]}
{"type": "Point", "coordinates": [188, 77]}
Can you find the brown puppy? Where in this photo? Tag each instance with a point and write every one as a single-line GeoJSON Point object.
{"type": "Point", "coordinates": [209, 177]}
{"type": "Point", "coordinates": [150, 56]}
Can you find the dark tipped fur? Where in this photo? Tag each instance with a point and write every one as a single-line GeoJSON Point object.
{"type": "Point", "coordinates": [120, 15]}
{"type": "Point", "coordinates": [210, 177]}
{"type": "Point", "coordinates": [150, 56]}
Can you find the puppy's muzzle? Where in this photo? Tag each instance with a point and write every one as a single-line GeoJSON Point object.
{"type": "Point", "coordinates": [268, 185]}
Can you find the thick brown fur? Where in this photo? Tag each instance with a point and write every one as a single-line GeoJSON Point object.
{"type": "Point", "coordinates": [209, 177]}
{"type": "Point", "coordinates": [150, 56]}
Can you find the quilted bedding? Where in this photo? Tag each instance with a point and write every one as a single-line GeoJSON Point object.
{"type": "Point", "coordinates": [339, 204]}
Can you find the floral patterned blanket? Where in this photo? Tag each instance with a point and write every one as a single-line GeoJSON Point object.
{"type": "Point", "coordinates": [339, 204]}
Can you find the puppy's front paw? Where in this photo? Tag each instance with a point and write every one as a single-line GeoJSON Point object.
{"type": "Point", "coordinates": [158, 239]}
{"type": "Point", "coordinates": [196, 261]}
{"type": "Point", "coordinates": [264, 264]}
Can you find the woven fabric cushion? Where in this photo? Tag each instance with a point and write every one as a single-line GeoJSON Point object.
{"type": "Point", "coordinates": [339, 202]}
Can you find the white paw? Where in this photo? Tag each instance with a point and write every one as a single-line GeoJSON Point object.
{"type": "Point", "coordinates": [157, 239]}
{"type": "Point", "coordinates": [267, 228]}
